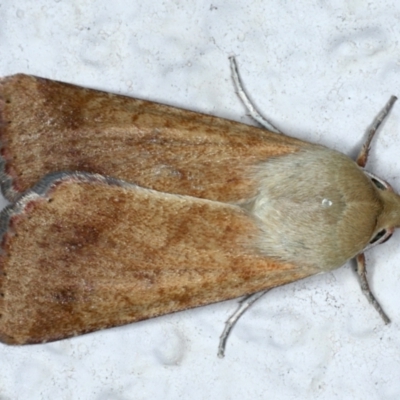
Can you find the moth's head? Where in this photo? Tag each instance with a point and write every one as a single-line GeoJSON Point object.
{"type": "Point", "coordinates": [389, 218]}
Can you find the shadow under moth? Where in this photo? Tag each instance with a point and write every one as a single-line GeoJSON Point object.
{"type": "Point", "coordinates": [124, 209]}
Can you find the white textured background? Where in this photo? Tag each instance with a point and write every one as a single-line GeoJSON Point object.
{"type": "Point", "coordinates": [321, 70]}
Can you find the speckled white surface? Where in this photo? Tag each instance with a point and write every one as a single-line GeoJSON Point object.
{"type": "Point", "coordinates": [321, 70]}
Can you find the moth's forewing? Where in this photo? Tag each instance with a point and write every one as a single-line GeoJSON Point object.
{"type": "Point", "coordinates": [48, 126]}
{"type": "Point", "coordinates": [89, 253]}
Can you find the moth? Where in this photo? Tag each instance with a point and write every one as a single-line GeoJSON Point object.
{"type": "Point", "coordinates": [124, 209]}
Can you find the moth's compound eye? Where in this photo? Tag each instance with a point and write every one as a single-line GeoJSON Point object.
{"type": "Point", "coordinates": [381, 237]}
{"type": "Point", "coordinates": [379, 184]}
{"type": "Point", "coordinates": [378, 236]}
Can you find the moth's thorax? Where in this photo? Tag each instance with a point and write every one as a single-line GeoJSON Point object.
{"type": "Point", "coordinates": [315, 207]}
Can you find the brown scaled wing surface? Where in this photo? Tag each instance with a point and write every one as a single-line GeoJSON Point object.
{"type": "Point", "coordinates": [88, 253]}
{"type": "Point", "coordinates": [48, 126]}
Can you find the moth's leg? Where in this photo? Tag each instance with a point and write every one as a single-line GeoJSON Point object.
{"type": "Point", "coordinates": [244, 304]}
{"type": "Point", "coordinates": [247, 102]}
{"type": "Point", "coordinates": [362, 273]}
{"type": "Point", "coordinates": [362, 157]}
